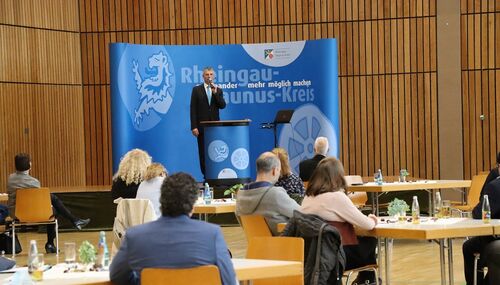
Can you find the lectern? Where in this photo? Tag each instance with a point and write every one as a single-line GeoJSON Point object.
{"type": "Point", "coordinates": [227, 151]}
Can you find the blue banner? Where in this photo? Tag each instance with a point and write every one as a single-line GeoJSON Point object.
{"type": "Point", "coordinates": [151, 89]}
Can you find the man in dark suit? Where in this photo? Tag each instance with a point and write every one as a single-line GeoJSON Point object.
{"type": "Point", "coordinates": [174, 240]}
{"type": "Point", "coordinates": [206, 100]}
{"type": "Point", "coordinates": [306, 167]}
{"type": "Point", "coordinates": [478, 244]}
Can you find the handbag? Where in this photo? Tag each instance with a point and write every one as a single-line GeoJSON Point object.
{"type": "Point", "coordinates": [6, 243]}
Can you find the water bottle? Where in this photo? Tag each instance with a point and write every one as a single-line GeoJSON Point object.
{"type": "Point", "coordinates": [102, 260]}
{"type": "Point", "coordinates": [415, 211]}
{"type": "Point", "coordinates": [32, 256]}
{"type": "Point", "coordinates": [437, 205]}
{"type": "Point", "coordinates": [207, 195]}
{"type": "Point", "coordinates": [380, 178]}
{"type": "Point", "coordinates": [486, 210]}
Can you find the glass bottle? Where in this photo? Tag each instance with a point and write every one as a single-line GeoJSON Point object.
{"type": "Point", "coordinates": [207, 196]}
{"type": "Point", "coordinates": [415, 211]}
{"type": "Point", "coordinates": [380, 178]}
{"type": "Point", "coordinates": [32, 256]}
{"type": "Point", "coordinates": [486, 210]}
{"type": "Point", "coordinates": [102, 251]}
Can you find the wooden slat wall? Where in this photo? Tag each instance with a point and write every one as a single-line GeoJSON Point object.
{"type": "Point", "coordinates": [480, 60]}
{"type": "Point", "coordinates": [40, 90]}
{"type": "Point", "coordinates": [387, 72]}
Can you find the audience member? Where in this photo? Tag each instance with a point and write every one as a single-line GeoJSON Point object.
{"type": "Point", "coordinates": [150, 188]}
{"type": "Point", "coordinates": [130, 174]}
{"type": "Point", "coordinates": [262, 197]}
{"type": "Point", "coordinates": [174, 240]}
{"type": "Point", "coordinates": [306, 167]}
{"type": "Point", "coordinates": [326, 197]}
{"type": "Point", "coordinates": [21, 179]}
{"type": "Point", "coordinates": [478, 244]}
{"type": "Point", "coordinates": [492, 175]}
{"type": "Point", "coordinates": [288, 180]}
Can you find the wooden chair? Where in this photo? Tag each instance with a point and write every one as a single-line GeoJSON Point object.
{"type": "Point", "coordinates": [254, 226]}
{"type": "Point", "coordinates": [473, 194]}
{"type": "Point", "coordinates": [33, 207]}
{"type": "Point", "coordinates": [277, 248]}
{"type": "Point", "coordinates": [201, 275]}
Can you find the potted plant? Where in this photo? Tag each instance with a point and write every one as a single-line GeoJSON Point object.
{"type": "Point", "coordinates": [402, 175]}
{"type": "Point", "coordinates": [398, 209]}
{"type": "Point", "coordinates": [87, 253]}
{"type": "Point", "coordinates": [233, 190]}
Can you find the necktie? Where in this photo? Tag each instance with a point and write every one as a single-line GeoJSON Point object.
{"type": "Point", "coordinates": [209, 94]}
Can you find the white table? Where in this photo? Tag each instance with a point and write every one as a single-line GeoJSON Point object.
{"type": "Point", "coordinates": [216, 207]}
{"type": "Point", "coordinates": [246, 270]}
{"type": "Point", "coordinates": [440, 229]}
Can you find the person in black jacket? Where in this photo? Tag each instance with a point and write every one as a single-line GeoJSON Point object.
{"type": "Point", "coordinates": [206, 100]}
{"type": "Point", "coordinates": [477, 244]}
{"type": "Point", "coordinates": [307, 166]}
{"type": "Point", "coordinates": [492, 175]}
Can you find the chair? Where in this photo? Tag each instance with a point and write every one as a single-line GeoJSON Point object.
{"type": "Point", "coordinates": [130, 212]}
{"type": "Point", "coordinates": [33, 207]}
{"type": "Point", "coordinates": [473, 194]}
{"type": "Point", "coordinates": [277, 248]}
{"type": "Point", "coordinates": [254, 226]}
{"type": "Point", "coordinates": [359, 199]}
{"type": "Point", "coordinates": [371, 267]}
{"type": "Point", "coordinates": [201, 275]}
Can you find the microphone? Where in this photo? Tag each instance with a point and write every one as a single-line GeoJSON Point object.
{"type": "Point", "coordinates": [212, 86]}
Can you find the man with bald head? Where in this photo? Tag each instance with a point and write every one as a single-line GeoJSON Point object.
{"type": "Point", "coordinates": [263, 198]}
{"type": "Point", "coordinates": [306, 167]}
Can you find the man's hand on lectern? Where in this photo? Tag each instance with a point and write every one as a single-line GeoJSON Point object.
{"type": "Point", "coordinates": [195, 132]}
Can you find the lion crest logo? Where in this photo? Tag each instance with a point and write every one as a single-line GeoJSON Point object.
{"type": "Point", "coordinates": [154, 89]}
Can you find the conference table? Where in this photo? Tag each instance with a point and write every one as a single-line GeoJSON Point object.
{"type": "Point", "coordinates": [246, 270]}
{"type": "Point", "coordinates": [442, 230]}
{"type": "Point", "coordinates": [218, 206]}
{"type": "Point", "coordinates": [427, 185]}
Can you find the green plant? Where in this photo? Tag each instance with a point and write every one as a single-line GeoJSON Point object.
{"type": "Point", "coordinates": [232, 189]}
{"type": "Point", "coordinates": [87, 252]}
{"type": "Point", "coordinates": [397, 206]}
{"type": "Point", "coordinates": [404, 172]}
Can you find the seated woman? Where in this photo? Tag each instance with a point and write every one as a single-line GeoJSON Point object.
{"type": "Point", "coordinates": [326, 197]}
{"type": "Point", "coordinates": [289, 181]}
{"type": "Point", "coordinates": [130, 174]}
{"type": "Point", "coordinates": [150, 188]}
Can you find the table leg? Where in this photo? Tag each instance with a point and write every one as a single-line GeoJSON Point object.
{"type": "Point", "coordinates": [388, 254]}
{"type": "Point", "coordinates": [432, 194]}
{"type": "Point", "coordinates": [375, 203]}
{"type": "Point", "coordinates": [450, 260]}
{"type": "Point", "coordinates": [442, 261]}
{"type": "Point", "coordinates": [379, 256]}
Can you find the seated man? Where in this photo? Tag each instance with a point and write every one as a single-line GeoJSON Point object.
{"type": "Point", "coordinates": [307, 166]}
{"type": "Point", "coordinates": [477, 244]}
{"type": "Point", "coordinates": [22, 180]}
{"type": "Point", "coordinates": [263, 198]}
{"type": "Point", "coordinates": [174, 240]}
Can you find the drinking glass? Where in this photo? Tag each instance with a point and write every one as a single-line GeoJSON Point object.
{"type": "Point", "coordinates": [445, 209]}
{"type": "Point", "coordinates": [200, 197]}
{"type": "Point", "coordinates": [38, 267]}
{"type": "Point", "coordinates": [69, 252]}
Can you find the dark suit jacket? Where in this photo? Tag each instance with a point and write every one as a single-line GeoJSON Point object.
{"type": "Point", "coordinates": [201, 110]}
{"type": "Point", "coordinates": [492, 189]}
{"type": "Point", "coordinates": [306, 167]}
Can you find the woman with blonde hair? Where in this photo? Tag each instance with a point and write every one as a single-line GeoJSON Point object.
{"type": "Point", "coordinates": [326, 197]}
{"type": "Point", "coordinates": [130, 173]}
{"type": "Point", "coordinates": [150, 188]}
{"type": "Point", "coordinates": [288, 180]}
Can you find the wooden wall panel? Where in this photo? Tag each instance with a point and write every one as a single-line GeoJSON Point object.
{"type": "Point", "coordinates": [40, 90]}
{"type": "Point", "coordinates": [387, 66]}
{"type": "Point", "coordinates": [480, 62]}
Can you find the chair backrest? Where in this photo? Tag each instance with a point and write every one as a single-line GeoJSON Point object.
{"type": "Point", "coordinates": [277, 248]}
{"type": "Point", "coordinates": [254, 226]}
{"type": "Point", "coordinates": [201, 275]}
{"type": "Point", "coordinates": [33, 205]}
{"type": "Point", "coordinates": [475, 189]}
{"type": "Point", "coordinates": [130, 212]}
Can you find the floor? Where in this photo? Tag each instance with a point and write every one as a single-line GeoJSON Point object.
{"type": "Point", "coordinates": [413, 262]}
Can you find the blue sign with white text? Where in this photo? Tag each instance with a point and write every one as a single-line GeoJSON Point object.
{"type": "Point", "coordinates": [151, 89]}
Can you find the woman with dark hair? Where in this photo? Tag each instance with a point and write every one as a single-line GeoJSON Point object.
{"type": "Point", "coordinates": [326, 197]}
